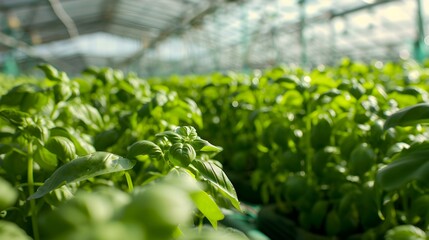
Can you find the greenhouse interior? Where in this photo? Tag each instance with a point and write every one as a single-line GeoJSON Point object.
{"type": "Point", "coordinates": [214, 119]}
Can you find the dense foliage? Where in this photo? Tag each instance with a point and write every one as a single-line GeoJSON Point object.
{"type": "Point", "coordinates": [314, 142]}
{"type": "Point", "coordinates": [110, 161]}
{"type": "Point", "coordinates": [340, 151]}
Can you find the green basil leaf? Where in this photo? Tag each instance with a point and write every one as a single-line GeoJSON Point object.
{"type": "Point", "coordinates": [182, 154]}
{"type": "Point", "coordinates": [207, 206]}
{"type": "Point", "coordinates": [82, 146]}
{"type": "Point", "coordinates": [411, 115]}
{"type": "Point", "coordinates": [201, 145]}
{"type": "Point", "coordinates": [8, 194]}
{"type": "Point", "coordinates": [82, 168]}
{"type": "Point", "coordinates": [214, 176]}
{"type": "Point", "coordinates": [187, 132]}
{"type": "Point", "coordinates": [362, 158]}
{"type": "Point", "coordinates": [45, 158]}
{"type": "Point", "coordinates": [145, 147]}
{"type": "Point", "coordinates": [88, 114]}
{"type": "Point", "coordinates": [53, 74]}
{"type": "Point", "coordinates": [171, 136]}
{"type": "Point", "coordinates": [24, 94]}
{"type": "Point", "coordinates": [11, 231]}
{"type": "Point", "coordinates": [62, 92]}
{"type": "Point", "coordinates": [16, 118]}
{"type": "Point", "coordinates": [411, 164]}
{"type": "Point", "coordinates": [405, 232]}
{"type": "Point", "coordinates": [106, 139]}
{"type": "Point", "coordinates": [62, 147]}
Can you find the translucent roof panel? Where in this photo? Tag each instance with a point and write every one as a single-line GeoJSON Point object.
{"type": "Point", "coordinates": [25, 24]}
{"type": "Point", "coordinates": [95, 44]}
{"type": "Point", "coordinates": [260, 33]}
{"type": "Point", "coordinates": [196, 36]}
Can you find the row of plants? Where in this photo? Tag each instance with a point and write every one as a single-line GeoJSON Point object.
{"type": "Point", "coordinates": [329, 150]}
{"type": "Point", "coordinates": [111, 157]}
{"type": "Point", "coordinates": [316, 145]}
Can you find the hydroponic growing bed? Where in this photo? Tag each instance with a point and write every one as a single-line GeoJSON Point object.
{"type": "Point", "coordinates": [335, 153]}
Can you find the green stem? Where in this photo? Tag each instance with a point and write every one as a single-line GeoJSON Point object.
{"type": "Point", "coordinates": [30, 180]}
{"type": "Point", "coordinates": [200, 223]}
{"type": "Point", "coordinates": [129, 182]}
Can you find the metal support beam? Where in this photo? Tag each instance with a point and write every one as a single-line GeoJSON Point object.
{"type": "Point", "coordinates": [19, 45]}
{"type": "Point", "coordinates": [333, 42]}
{"type": "Point", "coordinates": [363, 7]}
{"type": "Point", "coordinates": [419, 44]}
{"type": "Point", "coordinates": [25, 48]}
{"type": "Point", "coordinates": [182, 23]}
{"type": "Point", "coordinates": [68, 22]}
{"type": "Point", "coordinates": [302, 37]}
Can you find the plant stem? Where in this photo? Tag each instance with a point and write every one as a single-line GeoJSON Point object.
{"type": "Point", "coordinates": [129, 182]}
{"type": "Point", "coordinates": [30, 181]}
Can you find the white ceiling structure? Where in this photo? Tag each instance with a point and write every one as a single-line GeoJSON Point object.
{"type": "Point", "coordinates": [159, 37]}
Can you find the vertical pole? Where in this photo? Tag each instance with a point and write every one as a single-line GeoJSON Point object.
{"type": "Point", "coordinates": [419, 44]}
{"type": "Point", "coordinates": [245, 37]}
{"type": "Point", "coordinates": [333, 45]}
{"type": "Point", "coordinates": [274, 35]}
{"type": "Point", "coordinates": [302, 39]}
{"type": "Point", "coordinates": [216, 47]}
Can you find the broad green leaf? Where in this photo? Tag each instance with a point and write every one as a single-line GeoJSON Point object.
{"type": "Point", "coordinates": [82, 168]}
{"type": "Point", "coordinates": [11, 231]}
{"type": "Point", "coordinates": [215, 176]}
{"type": "Point", "coordinates": [196, 112]}
{"type": "Point", "coordinates": [326, 97]}
{"type": "Point", "coordinates": [62, 92]}
{"type": "Point", "coordinates": [405, 232]}
{"type": "Point", "coordinates": [187, 132]}
{"type": "Point", "coordinates": [16, 118]}
{"type": "Point", "coordinates": [411, 115]}
{"type": "Point", "coordinates": [173, 137]}
{"type": "Point", "coordinates": [208, 207]}
{"type": "Point", "coordinates": [288, 79]}
{"type": "Point", "coordinates": [82, 146]}
{"type": "Point", "coordinates": [59, 195]}
{"type": "Point", "coordinates": [35, 101]}
{"type": "Point", "coordinates": [53, 74]}
{"type": "Point", "coordinates": [37, 131]}
{"type": "Point", "coordinates": [411, 164]}
{"type": "Point", "coordinates": [362, 158]}
{"type": "Point", "coordinates": [8, 194]}
{"type": "Point", "coordinates": [45, 158]}
{"type": "Point", "coordinates": [222, 233]}
{"type": "Point", "coordinates": [204, 146]}
{"type": "Point", "coordinates": [106, 139]}
{"type": "Point", "coordinates": [145, 147]}
{"type": "Point", "coordinates": [22, 94]}
{"type": "Point", "coordinates": [88, 114]}
{"type": "Point", "coordinates": [183, 179]}
{"type": "Point", "coordinates": [182, 154]}
{"type": "Point", "coordinates": [62, 147]}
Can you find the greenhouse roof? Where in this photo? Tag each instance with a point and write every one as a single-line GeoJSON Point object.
{"type": "Point", "coordinates": [181, 36]}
